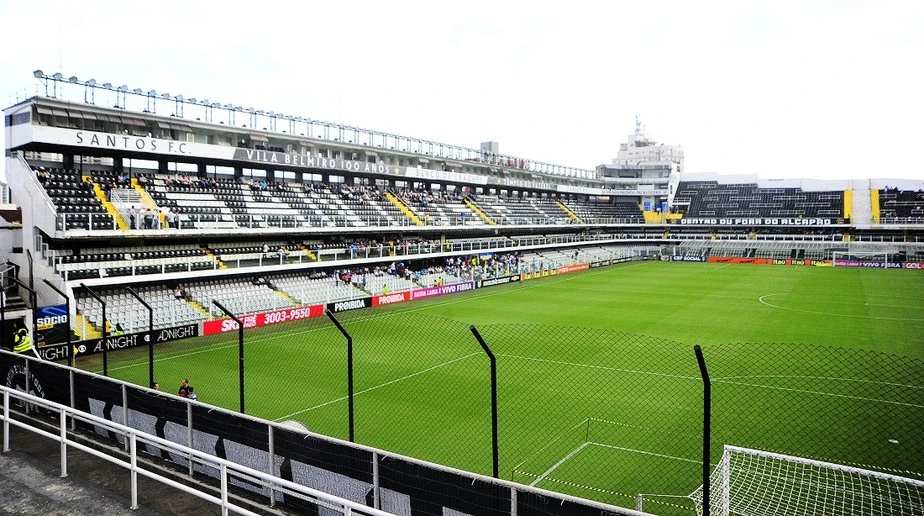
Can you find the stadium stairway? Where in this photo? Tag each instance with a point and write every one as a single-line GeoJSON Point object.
{"type": "Point", "coordinates": [199, 308]}
{"type": "Point", "coordinates": [146, 198]}
{"type": "Point", "coordinates": [285, 296]}
{"type": "Point", "coordinates": [484, 216]}
{"type": "Point", "coordinates": [309, 253]}
{"type": "Point", "coordinates": [653, 217]}
{"type": "Point", "coordinates": [208, 252]}
{"type": "Point", "coordinates": [110, 209]}
{"type": "Point", "coordinates": [571, 215]}
{"type": "Point", "coordinates": [404, 209]}
{"type": "Point", "coordinates": [85, 327]}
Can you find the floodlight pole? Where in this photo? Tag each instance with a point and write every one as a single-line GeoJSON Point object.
{"type": "Point", "coordinates": [240, 347]}
{"type": "Point", "coordinates": [150, 335]}
{"type": "Point", "coordinates": [493, 360]}
{"type": "Point", "coordinates": [349, 340]}
{"type": "Point", "coordinates": [707, 424]}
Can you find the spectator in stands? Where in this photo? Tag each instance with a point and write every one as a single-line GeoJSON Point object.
{"type": "Point", "coordinates": [148, 218]}
{"type": "Point", "coordinates": [282, 254]}
{"type": "Point", "coordinates": [179, 292]}
{"type": "Point", "coordinates": [266, 250]}
{"type": "Point", "coordinates": [259, 280]}
{"type": "Point", "coordinates": [155, 386]}
{"type": "Point", "coordinates": [41, 175]}
{"type": "Point", "coordinates": [132, 218]}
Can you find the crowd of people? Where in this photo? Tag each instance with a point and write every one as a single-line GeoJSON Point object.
{"type": "Point", "coordinates": [146, 218]}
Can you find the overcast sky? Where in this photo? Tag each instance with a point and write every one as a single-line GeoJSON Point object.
{"type": "Point", "coordinates": [818, 89]}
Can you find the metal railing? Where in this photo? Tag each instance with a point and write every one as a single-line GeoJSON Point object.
{"type": "Point", "coordinates": [227, 470]}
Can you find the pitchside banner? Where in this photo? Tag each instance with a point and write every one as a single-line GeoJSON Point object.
{"type": "Point", "coordinates": [868, 264]}
{"type": "Point", "coordinates": [503, 280]}
{"type": "Point", "coordinates": [352, 304]}
{"type": "Point", "coordinates": [573, 268]}
{"type": "Point", "coordinates": [806, 263]}
{"type": "Point", "coordinates": [263, 319]}
{"type": "Point", "coordinates": [390, 299]}
{"type": "Point", "coordinates": [114, 342]}
{"type": "Point", "coordinates": [688, 258]}
{"type": "Point", "coordinates": [52, 324]}
{"type": "Point", "coordinates": [423, 293]}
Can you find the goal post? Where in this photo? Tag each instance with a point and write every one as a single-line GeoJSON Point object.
{"type": "Point", "coordinates": [860, 258]}
{"type": "Point", "coordinates": [750, 481]}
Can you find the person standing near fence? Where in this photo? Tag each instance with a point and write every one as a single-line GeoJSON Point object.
{"type": "Point", "coordinates": [22, 341]}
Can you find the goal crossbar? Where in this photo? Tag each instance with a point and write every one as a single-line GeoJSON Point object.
{"type": "Point", "coordinates": [750, 481]}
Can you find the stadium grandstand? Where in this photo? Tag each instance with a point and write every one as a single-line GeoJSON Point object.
{"type": "Point", "coordinates": [120, 199]}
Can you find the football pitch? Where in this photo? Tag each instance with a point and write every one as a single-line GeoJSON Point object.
{"type": "Point", "coordinates": [599, 393]}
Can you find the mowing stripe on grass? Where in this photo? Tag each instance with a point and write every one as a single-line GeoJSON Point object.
{"type": "Point", "coordinates": [861, 398]}
{"type": "Point", "coordinates": [396, 380]}
{"type": "Point", "coordinates": [605, 368]}
{"type": "Point", "coordinates": [857, 380]}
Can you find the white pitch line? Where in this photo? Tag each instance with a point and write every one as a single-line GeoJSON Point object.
{"type": "Point", "coordinates": [396, 380]}
{"type": "Point", "coordinates": [833, 314]}
{"type": "Point", "coordinates": [643, 452]}
{"type": "Point", "coordinates": [822, 393]}
{"type": "Point", "coordinates": [721, 266]}
{"type": "Point", "coordinates": [605, 368]}
{"type": "Point", "coordinates": [894, 306]}
{"type": "Point", "coordinates": [854, 380]}
{"type": "Point", "coordinates": [577, 450]}
{"type": "Point", "coordinates": [549, 471]}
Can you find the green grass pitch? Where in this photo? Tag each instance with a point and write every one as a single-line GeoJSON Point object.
{"type": "Point", "coordinates": [598, 390]}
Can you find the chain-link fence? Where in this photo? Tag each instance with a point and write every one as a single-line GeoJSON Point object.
{"type": "Point", "coordinates": [597, 414]}
{"type": "Point", "coordinates": [847, 406]}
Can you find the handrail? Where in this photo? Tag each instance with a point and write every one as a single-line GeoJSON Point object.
{"type": "Point", "coordinates": [226, 468]}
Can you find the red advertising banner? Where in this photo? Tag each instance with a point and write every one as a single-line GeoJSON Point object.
{"type": "Point", "coordinates": [736, 259]}
{"type": "Point", "coordinates": [263, 319]}
{"type": "Point", "coordinates": [914, 265]}
{"type": "Point", "coordinates": [565, 269]}
{"type": "Point", "coordinates": [390, 299]}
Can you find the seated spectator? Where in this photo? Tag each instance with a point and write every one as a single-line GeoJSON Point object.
{"type": "Point", "coordinates": [186, 390]}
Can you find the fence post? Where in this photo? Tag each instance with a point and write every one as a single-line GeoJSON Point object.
{"type": "Point", "coordinates": [493, 360]}
{"type": "Point", "coordinates": [67, 301]}
{"type": "Point", "coordinates": [240, 347]}
{"type": "Point", "coordinates": [349, 340]}
{"type": "Point", "coordinates": [150, 335]}
{"type": "Point", "coordinates": [105, 329]}
{"type": "Point", "coordinates": [707, 424]}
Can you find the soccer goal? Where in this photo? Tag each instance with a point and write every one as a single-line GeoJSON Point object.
{"type": "Point", "coordinates": [859, 258]}
{"type": "Point", "coordinates": [757, 482]}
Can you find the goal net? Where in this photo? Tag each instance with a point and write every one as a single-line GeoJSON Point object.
{"type": "Point", "coordinates": [860, 259]}
{"type": "Point", "coordinates": [750, 482]}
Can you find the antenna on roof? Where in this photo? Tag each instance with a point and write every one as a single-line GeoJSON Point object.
{"type": "Point", "coordinates": [638, 125]}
